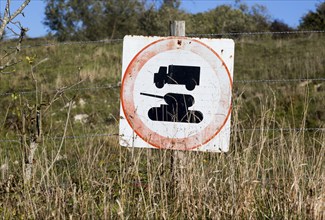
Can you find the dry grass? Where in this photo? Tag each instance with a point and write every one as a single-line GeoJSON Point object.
{"type": "Point", "coordinates": [275, 175]}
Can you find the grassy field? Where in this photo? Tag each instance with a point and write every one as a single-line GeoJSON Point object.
{"type": "Point", "coordinates": [275, 168]}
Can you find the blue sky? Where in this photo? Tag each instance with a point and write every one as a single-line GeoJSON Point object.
{"type": "Point", "coordinates": [289, 11]}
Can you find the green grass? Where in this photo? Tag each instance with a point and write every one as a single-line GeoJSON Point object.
{"type": "Point", "coordinates": [268, 173]}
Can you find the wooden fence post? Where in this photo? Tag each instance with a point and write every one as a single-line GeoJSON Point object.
{"type": "Point", "coordinates": [177, 28]}
{"type": "Point", "coordinates": [178, 160]}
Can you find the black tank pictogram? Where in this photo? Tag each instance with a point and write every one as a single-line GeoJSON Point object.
{"type": "Point", "coordinates": [176, 109]}
{"type": "Point", "coordinates": [182, 75]}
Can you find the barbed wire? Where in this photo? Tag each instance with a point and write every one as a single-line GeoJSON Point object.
{"type": "Point", "coordinates": [98, 135]}
{"type": "Point", "coordinates": [63, 137]}
{"type": "Point", "coordinates": [118, 85]}
{"type": "Point", "coordinates": [278, 80]}
{"type": "Point", "coordinates": [280, 129]}
{"type": "Point", "coordinates": [82, 136]}
{"type": "Point", "coordinates": [48, 44]}
{"type": "Point", "coordinates": [116, 40]}
{"type": "Point", "coordinates": [10, 141]}
{"type": "Point", "coordinates": [256, 33]}
{"type": "Point", "coordinates": [24, 92]}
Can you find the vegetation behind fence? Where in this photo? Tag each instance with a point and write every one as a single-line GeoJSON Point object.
{"type": "Point", "coordinates": [274, 169]}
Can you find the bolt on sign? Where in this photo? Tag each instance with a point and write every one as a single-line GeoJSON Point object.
{"type": "Point", "coordinates": [176, 93]}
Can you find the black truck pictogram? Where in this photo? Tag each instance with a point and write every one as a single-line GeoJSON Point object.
{"type": "Point", "coordinates": [183, 75]}
{"type": "Point", "coordinates": [176, 109]}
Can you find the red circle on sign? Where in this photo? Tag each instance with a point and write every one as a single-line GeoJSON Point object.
{"type": "Point", "coordinates": [129, 107]}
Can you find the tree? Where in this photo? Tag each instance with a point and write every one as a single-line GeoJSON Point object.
{"type": "Point", "coordinates": [9, 60]}
{"type": "Point", "coordinates": [92, 20]}
{"type": "Point", "coordinates": [226, 19]}
{"type": "Point", "coordinates": [279, 26]}
{"type": "Point", "coordinates": [116, 19]}
{"type": "Point", "coordinates": [314, 20]}
{"type": "Point", "coordinates": [172, 3]}
{"type": "Point", "coordinates": [28, 112]}
{"type": "Point", "coordinates": [8, 18]}
{"type": "Point", "coordinates": [260, 18]}
{"type": "Point", "coordinates": [65, 18]}
{"type": "Point", "coordinates": [158, 20]}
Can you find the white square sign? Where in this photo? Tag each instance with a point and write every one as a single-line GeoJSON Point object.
{"type": "Point", "coordinates": [176, 93]}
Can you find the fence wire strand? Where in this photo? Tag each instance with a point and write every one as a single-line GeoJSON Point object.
{"type": "Point", "coordinates": [118, 85]}
{"type": "Point", "coordinates": [24, 92]}
{"type": "Point", "coordinates": [278, 80]}
{"type": "Point", "coordinates": [99, 135]}
{"type": "Point", "coordinates": [82, 136]}
{"type": "Point", "coordinates": [116, 40]}
{"type": "Point", "coordinates": [256, 33]}
{"type": "Point", "coordinates": [49, 44]}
